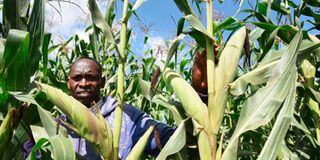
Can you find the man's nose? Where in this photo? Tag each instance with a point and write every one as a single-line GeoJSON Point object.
{"type": "Point", "coordinates": [83, 82]}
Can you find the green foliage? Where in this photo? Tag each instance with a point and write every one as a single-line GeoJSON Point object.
{"type": "Point", "coordinates": [269, 109]}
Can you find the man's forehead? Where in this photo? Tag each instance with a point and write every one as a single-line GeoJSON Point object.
{"type": "Point", "coordinates": [85, 65]}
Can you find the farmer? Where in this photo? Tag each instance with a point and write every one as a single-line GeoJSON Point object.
{"type": "Point", "coordinates": [85, 82]}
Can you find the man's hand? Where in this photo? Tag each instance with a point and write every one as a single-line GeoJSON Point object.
{"type": "Point", "coordinates": [199, 70]}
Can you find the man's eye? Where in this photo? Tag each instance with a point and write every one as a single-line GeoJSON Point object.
{"type": "Point", "coordinates": [92, 78]}
{"type": "Point", "coordinates": [77, 78]}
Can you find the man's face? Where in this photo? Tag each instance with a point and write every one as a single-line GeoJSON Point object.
{"type": "Point", "coordinates": [85, 81]}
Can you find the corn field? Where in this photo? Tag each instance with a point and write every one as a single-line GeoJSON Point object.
{"type": "Point", "coordinates": [262, 74]}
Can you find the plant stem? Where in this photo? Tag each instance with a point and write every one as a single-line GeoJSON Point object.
{"type": "Point", "coordinates": [210, 70]}
{"type": "Point", "coordinates": [120, 82]}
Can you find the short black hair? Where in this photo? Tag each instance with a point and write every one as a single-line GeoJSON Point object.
{"type": "Point", "coordinates": [91, 59]}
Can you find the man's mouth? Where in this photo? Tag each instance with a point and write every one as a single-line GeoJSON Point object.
{"type": "Point", "coordinates": [83, 94]}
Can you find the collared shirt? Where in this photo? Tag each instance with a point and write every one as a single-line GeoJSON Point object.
{"type": "Point", "coordinates": [134, 124]}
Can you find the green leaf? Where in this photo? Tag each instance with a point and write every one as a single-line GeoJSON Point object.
{"type": "Point", "coordinates": [180, 26]}
{"type": "Point", "coordinates": [314, 3]}
{"type": "Point", "coordinates": [176, 142]}
{"type": "Point", "coordinates": [285, 32]}
{"type": "Point", "coordinates": [12, 10]}
{"type": "Point", "coordinates": [313, 103]}
{"type": "Point", "coordinates": [49, 124]}
{"type": "Point", "coordinates": [14, 148]}
{"type": "Point", "coordinates": [39, 144]}
{"type": "Point", "coordinates": [100, 22]}
{"type": "Point", "coordinates": [307, 11]}
{"type": "Point", "coordinates": [262, 8]}
{"type": "Point", "coordinates": [140, 145]}
{"type": "Point", "coordinates": [39, 132]}
{"type": "Point", "coordinates": [301, 127]}
{"type": "Point", "coordinates": [255, 34]}
{"type": "Point", "coordinates": [23, 97]}
{"type": "Point", "coordinates": [62, 148]}
{"type": "Point", "coordinates": [307, 48]}
{"type": "Point", "coordinates": [240, 5]}
{"type": "Point", "coordinates": [316, 40]}
{"type": "Point", "coordinates": [184, 6]}
{"type": "Point", "coordinates": [2, 46]}
{"type": "Point", "coordinates": [94, 46]}
{"type": "Point", "coordinates": [16, 60]}
{"type": "Point", "coordinates": [109, 16]}
{"type": "Point", "coordinates": [257, 76]}
{"type": "Point", "coordinates": [259, 109]}
{"type": "Point", "coordinates": [36, 29]}
{"type": "Point", "coordinates": [198, 37]}
{"type": "Point", "coordinates": [160, 100]}
{"type": "Point", "coordinates": [278, 5]}
{"type": "Point", "coordinates": [271, 147]}
{"type": "Point", "coordinates": [262, 73]}
{"type": "Point", "coordinates": [197, 25]}
{"type": "Point", "coordinates": [286, 152]}
{"type": "Point", "coordinates": [226, 23]}
{"type": "Point", "coordinates": [173, 48]}
{"type": "Point", "coordinates": [136, 5]}
{"type": "Point", "coordinates": [260, 16]}
{"type": "Point", "coordinates": [45, 47]}
{"type": "Point", "coordinates": [269, 43]}
{"type": "Point", "coordinates": [273, 55]}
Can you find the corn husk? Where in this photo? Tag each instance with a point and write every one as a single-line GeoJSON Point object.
{"type": "Point", "coordinates": [93, 128]}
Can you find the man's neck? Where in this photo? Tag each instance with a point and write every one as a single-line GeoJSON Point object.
{"type": "Point", "coordinates": [95, 107]}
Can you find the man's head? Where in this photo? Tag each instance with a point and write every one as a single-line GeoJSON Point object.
{"type": "Point", "coordinates": [85, 80]}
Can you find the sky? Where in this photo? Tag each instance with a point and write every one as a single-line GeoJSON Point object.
{"type": "Point", "coordinates": [67, 19]}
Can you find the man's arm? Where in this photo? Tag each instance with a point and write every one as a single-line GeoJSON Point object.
{"type": "Point", "coordinates": [142, 122]}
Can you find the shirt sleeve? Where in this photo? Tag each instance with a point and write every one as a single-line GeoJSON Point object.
{"type": "Point", "coordinates": [142, 122]}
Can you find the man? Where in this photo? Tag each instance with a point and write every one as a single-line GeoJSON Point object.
{"type": "Point", "coordinates": [85, 82]}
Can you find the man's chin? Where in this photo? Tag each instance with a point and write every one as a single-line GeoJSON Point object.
{"type": "Point", "coordinates": [84, 100]}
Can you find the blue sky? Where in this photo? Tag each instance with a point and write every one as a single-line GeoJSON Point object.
{"type": "Point", "coordinates": [160, 13]}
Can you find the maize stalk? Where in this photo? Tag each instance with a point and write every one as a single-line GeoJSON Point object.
{"type": "Point", "coordinates": [211, 69]}
{"type": "Point", "coordinates": [93, 128]}
{"type": "Point", "coordinates": [120, 82]}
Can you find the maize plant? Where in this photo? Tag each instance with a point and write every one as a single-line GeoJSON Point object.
{"type": "Point", "coordinates": [260, 71]}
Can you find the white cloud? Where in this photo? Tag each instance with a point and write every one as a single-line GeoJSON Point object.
{"type": "Point", "coordinates": [71, 20]}
{"type": "Point", "coordinates": [160, 50]}
{"type": "Point", "coordinates": [155, 42]}
{"type": "Point", "coordinates": [66, 19]}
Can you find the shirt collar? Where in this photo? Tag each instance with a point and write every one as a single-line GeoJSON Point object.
{"type": "Point", "coordinates": [106, 105]}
